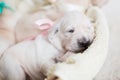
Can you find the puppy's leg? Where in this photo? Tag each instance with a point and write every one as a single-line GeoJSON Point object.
{"type": "Point", "coordinates": [10, 69]}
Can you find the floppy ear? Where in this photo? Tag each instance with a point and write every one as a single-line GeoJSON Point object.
{"type": "Point", "coordinates": [44, 24]}
{"type": "Point", "coordinates": [55, 29]}
{"type": "Point", "coordinates": [99, 3]}
{"type": "Point", "coordinates": [53, 32]}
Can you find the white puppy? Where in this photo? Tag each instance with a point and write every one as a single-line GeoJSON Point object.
{"type": "Point", "coordinates": [33, 58]}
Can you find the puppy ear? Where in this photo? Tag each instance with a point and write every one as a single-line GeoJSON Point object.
{"type": "Point", "coordinates": [54, 37]}
{"type": "Point", "coordinates": [44, 24]}
{"type": "Point", "coordinates": [99, 3]}
{"type": "Point", "coordinates": [53, 31]}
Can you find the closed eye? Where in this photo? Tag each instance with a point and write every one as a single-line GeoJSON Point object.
{"type": "Point", "coordinates": [71, 31]}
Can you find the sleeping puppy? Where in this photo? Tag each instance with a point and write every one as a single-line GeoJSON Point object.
{"type": "Point", "coordinates": [33, 58]}
{"type": "Point", "coordinates": [9, 18]}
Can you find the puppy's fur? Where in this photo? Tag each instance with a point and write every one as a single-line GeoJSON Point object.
{"type": "Point", "coordinates": [53, 10]}
{"type": "Point", "coordinates": [9, 18]}
{"type": "Point", "coordinates": [26, 26]}
{"type": "Point", "coordinates": [36, 57]}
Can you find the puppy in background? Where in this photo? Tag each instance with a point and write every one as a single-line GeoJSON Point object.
{"type": "Point", "coordinates": [34, 58]}
{"type": "Point", "coordinates": [32, 25]}
{"type": "Point", "coordinates": [9, 19]}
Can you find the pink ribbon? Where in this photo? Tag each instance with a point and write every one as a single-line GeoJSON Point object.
{"type": "Point", "coordinates": [44, 25]}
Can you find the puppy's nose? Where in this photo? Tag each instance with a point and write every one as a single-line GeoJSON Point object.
{"type": "Point", "coordinates": [84, 44]}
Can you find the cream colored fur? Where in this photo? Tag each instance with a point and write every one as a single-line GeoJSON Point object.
{"type": "Point", "coordinates": [9, 19]}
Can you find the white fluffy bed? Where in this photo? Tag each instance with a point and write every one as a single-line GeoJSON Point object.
{"type": "Point", "coordinates": [86, 65]}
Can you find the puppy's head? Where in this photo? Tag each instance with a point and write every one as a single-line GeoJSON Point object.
{"type": "Point", "coordinates": [73, 32]}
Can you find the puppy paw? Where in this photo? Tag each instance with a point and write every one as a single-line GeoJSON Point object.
{"type": "Point", "coordinates": [70, 61]}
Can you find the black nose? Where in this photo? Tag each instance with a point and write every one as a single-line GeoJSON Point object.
{"type": "Point", "coordinates": [84, 44]}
